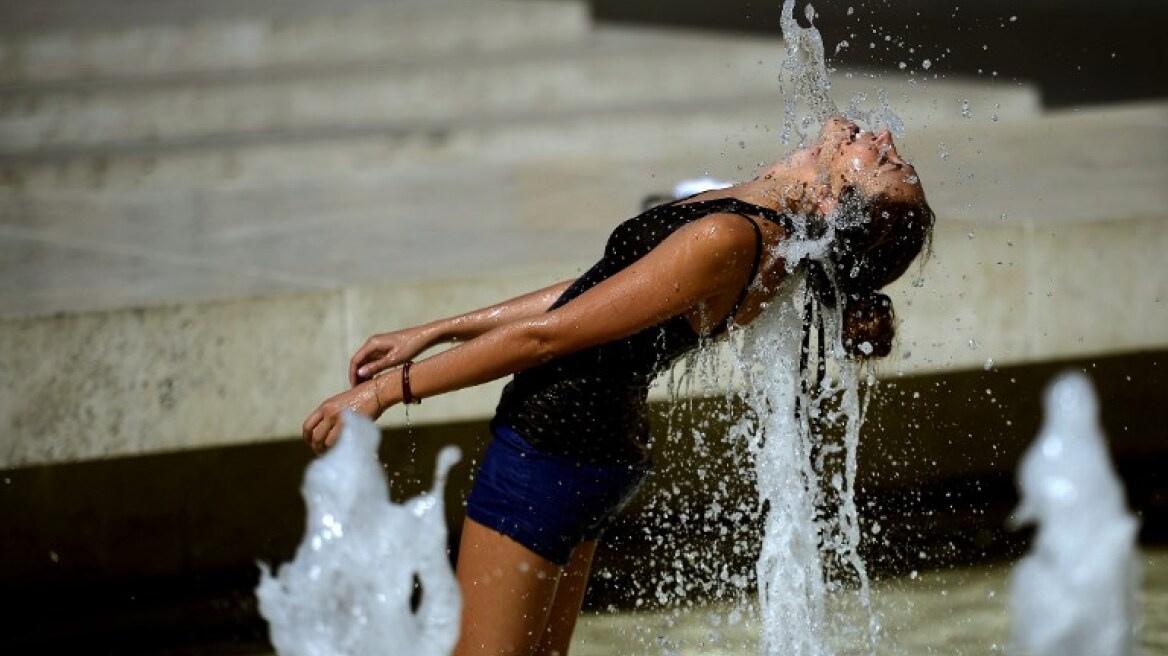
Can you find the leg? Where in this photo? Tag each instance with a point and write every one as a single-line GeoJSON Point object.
{"type": "Point", "coordinates": [507, 591]}
{"type": "Point", "coordinates": [566, 606]}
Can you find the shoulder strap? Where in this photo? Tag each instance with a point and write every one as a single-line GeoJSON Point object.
{"type": "Point", "coordinates": [750, 279]}
{"type": "Point", "coordinates": [725, 324]}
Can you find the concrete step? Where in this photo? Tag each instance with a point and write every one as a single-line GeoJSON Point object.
{"type": "Point", "coordinates": [87, 251]}
{"type": "Point", "coordinates": [245, 239]}
{"type": "Point", "coordinates": [745, 130]}
{"type": "Point", "coordinates": [56, 40]}
{"type": "Point", "coordinates": [196, 375]}
{"type": "Point", "coordinates": [174, 312]}
{"type": "Point", "coordinates": [332, 154]}
{"type": "Point", "coordinates": [613, 69]}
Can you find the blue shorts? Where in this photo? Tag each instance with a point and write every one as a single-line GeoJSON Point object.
{"type": "Point", "coordinates": [545, 502]}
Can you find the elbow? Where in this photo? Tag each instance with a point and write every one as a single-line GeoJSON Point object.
{"type": "Point", "coordinates": [539, 342]}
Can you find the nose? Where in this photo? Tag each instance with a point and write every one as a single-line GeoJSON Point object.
{"type": "Point", "coordinates": [884, 138]}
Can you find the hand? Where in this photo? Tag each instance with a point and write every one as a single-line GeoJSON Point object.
{"type": "Point", "coordinates": [383, 351]}
{"type": "Point", "coordinates": [323, 426]}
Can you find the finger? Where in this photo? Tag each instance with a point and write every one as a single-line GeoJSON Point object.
{"type": "Point", "coordinates": [368, 371]}
{"type": "Point", "coordinates": [358, 366]}
{"type": "Point", "coordinates": [362, 353]}
{"type": "Point", "coordinates": [357, 361]}
{"type": "Point", "coordinates": [333, 435]}
{"type": "Point", "coordinates": [319, 434]}
{"type": "Point", "coordinates": [310, 425]}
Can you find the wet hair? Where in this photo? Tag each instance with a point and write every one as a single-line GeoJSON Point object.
{"type": "Point", "coordinates": [878, 239]}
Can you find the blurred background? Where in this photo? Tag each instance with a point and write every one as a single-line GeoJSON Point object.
{"type": "Point", "coordinates": [206, 207]}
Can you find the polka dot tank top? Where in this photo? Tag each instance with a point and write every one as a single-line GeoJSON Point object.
{"type": "Point", "coordinates": [592, 405]}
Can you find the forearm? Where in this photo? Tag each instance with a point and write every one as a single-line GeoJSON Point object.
{"type": "Point", "coordinates": [468, 326]}
{"type": "Point", "coordinates": [500, 352]}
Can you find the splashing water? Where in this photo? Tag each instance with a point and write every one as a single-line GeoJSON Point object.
{"type": "Point", "coordinates": [1074, 593]}
{"type": "Point", "coordinates": [804, 83]}
{"type": "Point", "coordinates": [806, 485]}
{"type": "Point", "coordinates": [348, 591]}
{"type": "Point", "coordinates": [803, 76]}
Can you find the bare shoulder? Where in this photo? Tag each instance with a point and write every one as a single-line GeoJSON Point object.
{"type": "Point", "coordinates": [722, 233]}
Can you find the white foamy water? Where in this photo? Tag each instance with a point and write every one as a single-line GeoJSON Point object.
{"type": "Point", "coordinates": [1074, 594]}
{"type": "Point", "coordinates": [806, 484]}
{"type": "Point", "coordinates": [348, 591]}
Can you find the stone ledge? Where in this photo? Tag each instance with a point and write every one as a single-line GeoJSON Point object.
{"type": "Point", "coordinates": [87, 386]}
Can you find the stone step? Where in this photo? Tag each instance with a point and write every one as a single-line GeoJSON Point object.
{"type": "Point", "coordinates": [56, 40]}
{"type": "Point", "coordinates": [744, 131]}
{"type": "Point", "coordinates": [84, 251]}
{"type": "Point", "coordinates": [205, 242]}
{"type": "Point", "coordinates": [306, 271]}
{"type": "Point", "coordinates": [196, 375]}
{"type": "Point", "coordinates": [612, 69]}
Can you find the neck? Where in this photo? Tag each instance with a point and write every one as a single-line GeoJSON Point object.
{"type": "Point", "coordinates": [785, 186]}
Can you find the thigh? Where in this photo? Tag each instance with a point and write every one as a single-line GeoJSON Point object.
{"type": "Point", "coordinates": [557, 637]}
{"type": "Point", "coordinates": [507, 593]}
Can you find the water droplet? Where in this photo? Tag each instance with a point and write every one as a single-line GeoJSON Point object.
{"type": "Point", "coordinates": [927, 64]}
{"type": "Point", "coordinates": [972, 344]}
{"type": "Point", "coordinates": [902, 66]}
{"type": "Point", "coordinates": [1003, 216]}
{"type": "Point", "coordinates": [942, 151]}
{"type": "Point", "coordinates": [969, 235]}
{"type": "Point", "coordinates": [989, 364]}
{"type": "Point", "coordinates": [965, 112]}
{"type": "Point", "coordinates": [1013, 19]}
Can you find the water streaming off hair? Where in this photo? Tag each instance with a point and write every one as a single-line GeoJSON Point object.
{"type": "Point", "coordinates": [803, 437]}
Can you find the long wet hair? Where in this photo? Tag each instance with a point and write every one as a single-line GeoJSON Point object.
{"type": "Point", "coordinates": [869, 252]}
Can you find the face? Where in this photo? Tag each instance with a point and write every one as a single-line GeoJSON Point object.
{"type": "Point", "coordinates": [848, 156]}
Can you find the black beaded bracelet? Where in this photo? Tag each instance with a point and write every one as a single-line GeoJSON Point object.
{"type": "Point", "coordinates": [408, 396]}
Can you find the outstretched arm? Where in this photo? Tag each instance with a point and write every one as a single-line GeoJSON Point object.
{"type": "Point", "coordinates": [385, 350]}
{"type": "Point", "coordinates": [701, 261]}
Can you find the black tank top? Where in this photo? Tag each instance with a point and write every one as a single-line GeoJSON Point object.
{"type": "Point", "coordinates": [591, 405]}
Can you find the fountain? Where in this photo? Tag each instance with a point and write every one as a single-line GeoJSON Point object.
{"type": "Point", "coordinates": [351, 589]}
{"type": "Point", "coordinates": [1074, 592]}
{"type": "Point", "coordinates": [806, 486]}
{"type": "Point", "coordinates": [802, 433]}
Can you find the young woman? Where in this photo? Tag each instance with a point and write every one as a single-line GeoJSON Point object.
{"type": "Point", "coordinates": [570, 430]}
